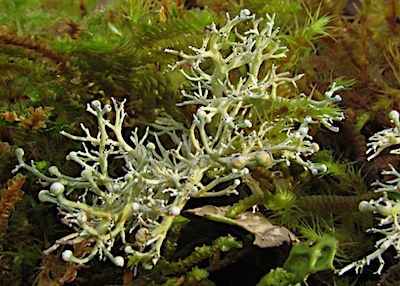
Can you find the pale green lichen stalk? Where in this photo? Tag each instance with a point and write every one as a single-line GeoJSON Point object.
{"type": "Point", "coordinates": [242, 115]}
{"type": "Point", "coordinates": [242, 121]}
{"type": "Point", "coordinates": [387, 207]}
{"type": "Point", "coordinates": [110, 208]}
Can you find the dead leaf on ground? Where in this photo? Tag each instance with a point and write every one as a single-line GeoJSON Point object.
{"type": "Point", "coordinates": [266, 234]}
{"type": "Point", "coordinates": [10, 195]}
{"type": "Point", "coordinates": [56, 272]}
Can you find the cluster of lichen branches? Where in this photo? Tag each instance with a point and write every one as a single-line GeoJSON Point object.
{"type": "Point", "coordinates": [242, 120]}
{"type": "Point", "coordinates": [387, 207]}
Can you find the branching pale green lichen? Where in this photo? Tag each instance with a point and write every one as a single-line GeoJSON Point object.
{"type": "Point", "coordinates": [238, 125]}
{"type": "Point", "coordinates": [228, 117]}
{"type": "Point", "coordinates": [385, 138]}
{"type": "Point", "coordinates": [386, 207]}
{"type": "Point", "coordinates": [107, 207]}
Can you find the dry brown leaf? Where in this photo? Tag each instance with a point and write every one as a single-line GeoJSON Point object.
{"type": "Point", "coordinates": [5, 148]}
{"type": "Point", "coordinates": [10, 196]}
{"type": "Point", "coordinates": [37, 118]}
{"type": "Point", "coordinates": [55, 271]}
{"type": "Point", "coordinates": [9, 116]}
{"type": "Point", "coordinates": [266, 234]}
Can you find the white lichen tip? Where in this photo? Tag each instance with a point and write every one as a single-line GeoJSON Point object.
{"type": "Point", "coordinates": [175, 211]}
{"type": "Point", "coordinates": [135, 207]}
{"type": "Point", "coordinates": [82, 218]}
{"type": "Point", "coordinates": [315, 147]}
{"type": "Point", "coordinates": [365, 207]}
{"type": "Point", "coordinates": [44, 196]}
{"type": "Point", "coordinates": [19, 152]}
{"type": "Point", "coordinates": [53, 170]}
{"type": "Point", "coordinates": [67, 255]}
{"type": "Point", "coordinates": [175, 178]}
{"type": "Point", "coordinates": [107, 108]}
{"type": "Point", "coordinates": [394, 117]}
{"type": "Point", "coordinates": [116, 187]}
{"type": "Point", "coordinates": [150, 146]}
{"type": "Point", "coordinates": [128, 249]}
{"type": "Point", "coordinates": [57, 188]}
{"type": "Point", "coordinates": [247, 123]}
{"type": "Point", "coordinates": [322, 168]}
{"type": "Point", "coordinates": [86, 174]}
{"type": "Point", "coordinates": [244, 13]}
{"type": "Point", "coordinates": [119, 261]}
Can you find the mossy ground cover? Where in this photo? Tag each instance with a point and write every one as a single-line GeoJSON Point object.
{"type": "Point", "coordinates": [58, 56]}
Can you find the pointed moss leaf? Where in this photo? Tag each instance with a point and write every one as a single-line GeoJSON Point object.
{"type": "Point", "coordinates": [41, 165]}
{"type": "Point", "coordinates": [179, 220]}
{"type": "Point", "coordinates": [198, 274]}
{"type": "Point", "coordinates": [34, 95]}
{"type": "Point", "coordinates": [137, 257]}
{"type": "Point", "coordinates": [266, 234]}
{"type": "Point", "coordinates": [228, 243]}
